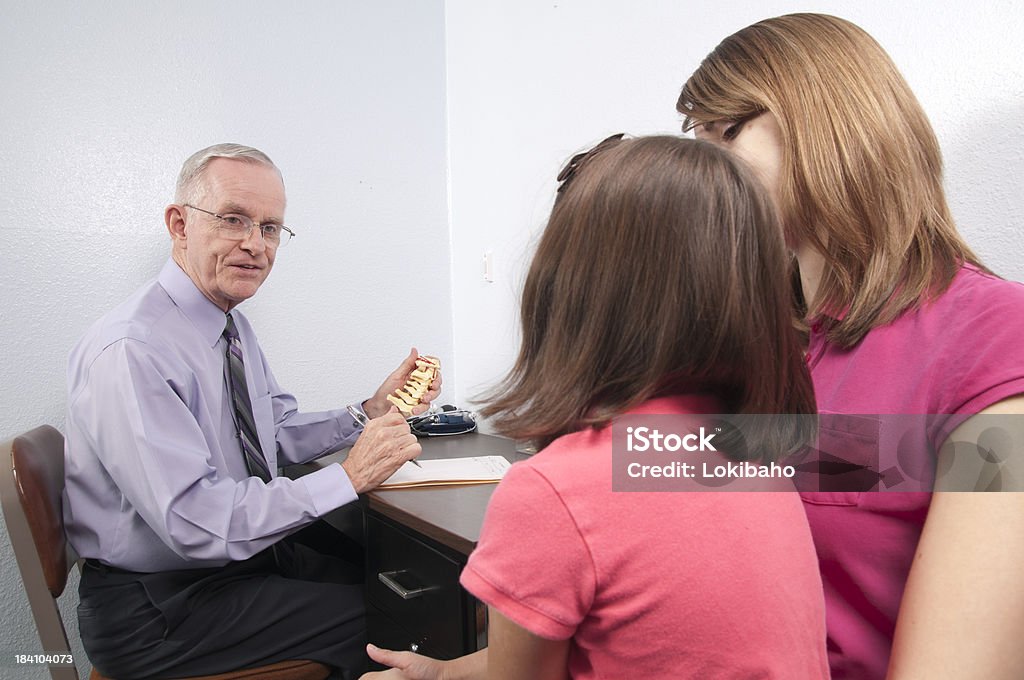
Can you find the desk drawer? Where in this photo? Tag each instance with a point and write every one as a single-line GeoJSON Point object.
{"type": "Point", "coordinates": [385, 632]}
{"type": "Point", "coordinates": [415, 586]}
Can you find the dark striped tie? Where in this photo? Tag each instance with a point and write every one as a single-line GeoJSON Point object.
{"type": "Point", "coordinates": [250, 441]}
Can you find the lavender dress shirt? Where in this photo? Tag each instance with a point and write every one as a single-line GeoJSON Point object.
{"type": "Point", "coordinates": [155, 477]}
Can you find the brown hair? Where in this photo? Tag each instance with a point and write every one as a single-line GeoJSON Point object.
{"type": "Point", "coordinates": [662, 270]}
{"type": "Point", "coordinates": [862, 171]}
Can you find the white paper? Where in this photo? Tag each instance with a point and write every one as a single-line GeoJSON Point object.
{"type": "Point", "coordinates": [469, 470]}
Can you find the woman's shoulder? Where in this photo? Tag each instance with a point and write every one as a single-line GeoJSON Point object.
{"type": "Point", "coordinates": [975, 343]}
{"type": "Point", "coordinates": [572, 456]}
{"type": "Point", "coordinates": [975, 292]}
{"type": "Point", "coordinates": [976, 308]}
{"type": "Point", "coordinates": [580, 458]}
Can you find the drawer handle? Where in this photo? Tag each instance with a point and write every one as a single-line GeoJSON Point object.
{"type": "Point", "coordinates": [391, 580]}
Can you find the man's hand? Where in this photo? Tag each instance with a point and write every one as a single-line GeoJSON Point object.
{"type": "Point", "coordinates": [378, 404]}
{"type": "Point", "coordinates": [386, 443]}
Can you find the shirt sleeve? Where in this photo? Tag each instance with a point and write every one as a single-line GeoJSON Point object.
{"type": "Point", "coordinates": [986, 361]}
{"type": "Point", "coordinates": [532, 563]}
{"type": "Point", "coordinates": [135, 414]}
{"type": "Point", "coordinates": [981, 358]}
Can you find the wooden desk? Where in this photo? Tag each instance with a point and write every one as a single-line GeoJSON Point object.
{"type": "Point", "coordinates": [419, 540]}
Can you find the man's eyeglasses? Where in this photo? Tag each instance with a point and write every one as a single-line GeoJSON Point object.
{"type": "Point", "coordinates": [238, 227]}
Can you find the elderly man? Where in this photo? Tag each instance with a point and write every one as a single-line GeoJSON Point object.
{"type": "Point", "coordinates": [175, 430]}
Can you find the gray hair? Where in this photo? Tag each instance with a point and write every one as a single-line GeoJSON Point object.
{"type": "Point", "coordinates": [193, 168]}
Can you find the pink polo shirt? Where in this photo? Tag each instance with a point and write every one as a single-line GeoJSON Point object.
{"type": "Point", "coordinates": [954, 356]}
{"type": "Point", "coordinates": [651, 584]}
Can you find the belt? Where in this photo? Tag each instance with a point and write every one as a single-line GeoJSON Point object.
{"type": "Point", "coordinates": [106, 568]}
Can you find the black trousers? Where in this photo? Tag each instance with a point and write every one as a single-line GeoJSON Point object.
{"type": "Point", "coordinates": [302, 605]}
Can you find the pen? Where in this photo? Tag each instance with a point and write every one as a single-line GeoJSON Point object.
{"type": "Point", "coordinates": [361, 419]}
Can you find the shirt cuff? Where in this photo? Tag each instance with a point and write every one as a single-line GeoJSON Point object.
{"type": "Point", "coordinates": [358, 409]}
{"type": "Point", "coordinates": [329, 488]}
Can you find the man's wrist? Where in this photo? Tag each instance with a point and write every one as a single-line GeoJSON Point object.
{"type": "Point", "coordinates": [373, 409]}
{"type": "Point", "coordinates": [357, 484]}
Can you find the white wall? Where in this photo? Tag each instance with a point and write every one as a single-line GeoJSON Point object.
{"type": "Point", "coordinates": [531, 82]}
{"type": "Point", "coordinates": [101, 104]}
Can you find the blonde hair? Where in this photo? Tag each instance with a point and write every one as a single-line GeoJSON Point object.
{"type": "Point", "coordinates": [862, 171]}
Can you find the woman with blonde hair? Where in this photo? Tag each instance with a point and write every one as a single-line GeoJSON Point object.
{"type": "Point", "coordinates": [902, 318]}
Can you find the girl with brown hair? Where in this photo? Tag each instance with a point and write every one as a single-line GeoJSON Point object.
{"type": "Point", "coordinates": [902, 319]}
{"type": "Point", "coordinates": [658, 287]}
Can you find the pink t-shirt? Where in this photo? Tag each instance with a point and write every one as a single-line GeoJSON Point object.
{"type": "Point", "coordinates": [953, 357]}
{"type": "Point", "coordinates": [651, 585]}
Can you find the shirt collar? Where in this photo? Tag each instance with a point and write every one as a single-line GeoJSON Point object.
{"type": "Point", "coordinates": [679, 403]}
{"type": "Point", "coordinates": [208, 318]}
